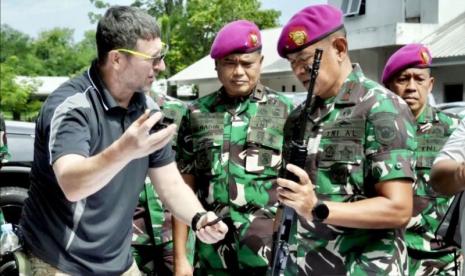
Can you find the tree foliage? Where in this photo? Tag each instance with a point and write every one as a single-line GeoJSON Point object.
{"type": "Point", "coordinates": [16, 97]}
{"type": "Point", "coordinates": [16, 44]}
{"type": "Point", "coordinates": [53, 53]}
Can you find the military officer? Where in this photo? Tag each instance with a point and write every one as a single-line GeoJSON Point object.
{"type": "Point", "coordinates": [407, 74]}
{"type": "Point", "coordinates": [231, 152]}
{"type": "Point", "coordinates": [355, 192]}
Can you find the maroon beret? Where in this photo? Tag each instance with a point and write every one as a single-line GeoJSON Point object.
{"type": "Point", "coordinates": [239, 36]}
{"type": "Point", "coordinates": [309, 26]}
{"type": "Point", "coordinates": [413, 55]}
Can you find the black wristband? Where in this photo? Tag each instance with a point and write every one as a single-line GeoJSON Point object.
{"type": "Point", "coordinates": [195, 219]}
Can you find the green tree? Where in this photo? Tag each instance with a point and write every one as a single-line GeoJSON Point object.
{"type": "Point", "coordinates": [85, 51]}
{"type": "Point", "coordinates": [53, 54]}
{"type": "Point", "coordinates": [189, 26]}
{"type": "Point", "coordinates": [13, 43]}
{"type": "Point", "coordinates": [60, 56]}
{"type": "Point", "coordinates": [16, 97]}
{"type": "Point", "coordinates": [55, 49]}
{"type": "Point", "coordinates": [18, 44]}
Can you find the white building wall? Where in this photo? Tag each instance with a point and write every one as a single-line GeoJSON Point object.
{"type": "Point", "coordinates": [371, 60]}
{"type": "Point", "coordinates": [380, 13]}
{"type": "Point", "coordinates": [286, 79]}
{"type": "Point", "coordinates": [448, 9]}
{"type": "Point", "coordinates": [429, 11]}
{"type": "Point", "coordinates": [377, 13]}
{"type": "Point", "coordinates": [397, 22]}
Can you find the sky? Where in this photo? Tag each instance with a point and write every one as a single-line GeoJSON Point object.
{"type": "Point", "coordinates": [34, 16]}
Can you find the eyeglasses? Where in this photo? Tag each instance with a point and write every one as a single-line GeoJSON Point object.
{"type": "Point", "coordinates": [303, 60]}
{"type": "Point", "coordinates": [155, 59]}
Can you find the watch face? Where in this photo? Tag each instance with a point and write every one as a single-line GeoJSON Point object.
{"type": "Point", "coordinates": [321, 211]}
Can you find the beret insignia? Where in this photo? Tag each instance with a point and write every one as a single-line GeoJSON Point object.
{"type": "Point", "coordinates": [298, 37]}
{"type": "Point", "coordinates": [425, 59]}
{"type": "Point", "coordinates": [253, 39]}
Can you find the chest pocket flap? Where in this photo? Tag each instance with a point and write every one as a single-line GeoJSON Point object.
{"type": "Point", "coordinates": [340, 157]}
{"type": "Point", "coordinates": [427, 149]}
{"type": "Point", "coordinates": [207, 136]}
{"type": "Point", "coordinates": [264, 143]}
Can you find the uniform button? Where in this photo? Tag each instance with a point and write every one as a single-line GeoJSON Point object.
{"type": "Point", "coordinates": [398, 166]}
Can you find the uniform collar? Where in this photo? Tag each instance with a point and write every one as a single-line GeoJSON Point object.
{"type": "Point", "coordinates": [349, 95]}
{"type": "Point", "coordinates": [257, 95]}
{"type": "Point", "coordinates": [427, 115]}
{"type": "Point", "coordinates": [138, 100]}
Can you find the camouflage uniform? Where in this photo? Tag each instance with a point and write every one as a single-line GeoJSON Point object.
{"type": "Point", "coordinates": [363, 136]}
{"type": "Point", "coordinates": [233, 148]}
{"type": "Point", "coordinates": [159, 218]}
{"type": "Point", "coordinates": [427, 256]}
{"type": "Point", "coordinates": [4, 155]}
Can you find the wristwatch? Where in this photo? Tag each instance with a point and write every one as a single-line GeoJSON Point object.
{"type": "Point", "coordinates": [195, 219]}
{"type": "Point", "coordinates": [320, 211]}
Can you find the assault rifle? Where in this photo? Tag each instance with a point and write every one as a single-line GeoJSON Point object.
{"type": "Point", "coordinates": [296, 155]}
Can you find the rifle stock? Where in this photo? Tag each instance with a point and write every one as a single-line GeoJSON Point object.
{"type": "Point", "coordinates": [297, 156]}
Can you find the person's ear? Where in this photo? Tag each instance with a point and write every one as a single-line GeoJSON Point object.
{"type": "Point", "coordinates": [341, 46]}
{"type": "Point", "coordinates": [431, 85]}
{"type": "Point", "coordinates": [114, 59]}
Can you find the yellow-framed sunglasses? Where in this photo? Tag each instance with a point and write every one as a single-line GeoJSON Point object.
{"type": "Point", "coordinates": [155, 59]}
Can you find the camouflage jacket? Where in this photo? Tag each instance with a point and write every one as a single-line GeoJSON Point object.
{"type": "Point", "coordinates": [433, 129]}
{"type": "Point", "coordinates": [363, 136]}
{"type": "Point", "coordinates": [4, 154]}
{"type": "Point", "coordinates": [157, 216]}
{"type": "Point", "coordinates": [233, 148]}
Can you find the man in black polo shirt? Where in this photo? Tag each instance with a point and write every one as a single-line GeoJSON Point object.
{"type": "Point", "coordinates": [93, 149]}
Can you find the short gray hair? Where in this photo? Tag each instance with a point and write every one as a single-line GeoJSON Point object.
{"type": "Point", "coordinates": [121, 27]}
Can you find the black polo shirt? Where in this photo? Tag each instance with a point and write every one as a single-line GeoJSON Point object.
{"type": "Point", "coordinates": [91, 236]}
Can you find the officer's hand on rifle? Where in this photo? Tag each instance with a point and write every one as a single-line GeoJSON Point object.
{"type": "Point", "coordinates": [299, 196]}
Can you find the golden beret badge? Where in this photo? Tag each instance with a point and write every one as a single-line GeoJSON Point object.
{"type": "Point", "coordinates": [298, 37]}
{"type": "Point", "coordinates": [425, 58]}
{"type": "Point", "coordinates": [253, 40]}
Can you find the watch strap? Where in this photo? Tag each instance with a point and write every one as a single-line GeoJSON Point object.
{"type": "Point", "coordinates": [195, 220]}
{"type": "Point", "coordinates": [317, 209]}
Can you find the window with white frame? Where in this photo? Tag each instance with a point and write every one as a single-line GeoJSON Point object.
{"type": "Point", "coordinates": [353, 7]}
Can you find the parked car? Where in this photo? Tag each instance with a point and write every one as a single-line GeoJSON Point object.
{"type": "Point", "coordinates": [453, 107]}
{"type": "Point", "coordinates": [14, 174]}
